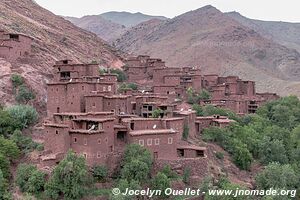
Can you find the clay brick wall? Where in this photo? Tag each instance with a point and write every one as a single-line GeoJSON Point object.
{"type": "Point", "coordinates": [57, 139]}
{"type": "Point", "coordinates": [162, 150]}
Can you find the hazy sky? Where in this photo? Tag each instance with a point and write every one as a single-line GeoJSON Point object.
{"type": "Point", "coordinates": [276, 10]}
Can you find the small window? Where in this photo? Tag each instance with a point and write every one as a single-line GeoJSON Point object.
{"type": "Point", "coordinates": [85, 155]}
{"type": "Point", "coordinates": [98, 154]}
{"type": "Point", "coordinates": [149, 142]}
{"type": "Point", "coordinates": [85, 141]}
{"type": "Point", "coordinates": [109, 88]}
{"type": "Point", "coordinates": [94, 104]}
{"type": "Point", "coordinates": [141, 142]}
{"type": "Point", "coordinates": [82, 87]}
{"type": "Point", "coordinates": [108, 103]}
{"type": "Point", "coordinates": [56, 132]}
{"type": "Point", "coordinates": [75, 140]}
{"type": "Point", "coordinates": [106, 140]}
{"type": "Point", "coordinates": [170, 140]}
{"type": "Point", "coordinates": [104, 88]}
{"type": "Point", "coordinates": [156, 141]}
{"type": "Point", "coordinates": [99, 141]}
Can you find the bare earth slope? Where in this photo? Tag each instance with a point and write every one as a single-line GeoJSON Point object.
{"type": "Point", "coordinates": [54, 38]}
{"type": "Point", "coordinates": [284, 33]}
{"type": "Point", "coordinates": [218, 44]}
{"type": "Point", "coordinates": [104, 28]}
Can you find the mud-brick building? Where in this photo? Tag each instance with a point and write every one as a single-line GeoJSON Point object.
{"type": "Point", "coordinates": [202, 123]}
{"type": "Point", "coordinates": [14, 45]}
{"type": "Point", "coordinates": [141, 67]}
{"type": "Point", "coordinates": [74, 81]}
{"type": "Point", "coordinates": [118, 104]}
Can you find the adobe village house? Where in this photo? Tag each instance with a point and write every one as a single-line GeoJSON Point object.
{"type": "Point", "coordinates": [88, 115]}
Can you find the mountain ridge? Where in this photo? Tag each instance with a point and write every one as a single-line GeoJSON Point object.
{"type": "Point", "coordinates": [218, 44]}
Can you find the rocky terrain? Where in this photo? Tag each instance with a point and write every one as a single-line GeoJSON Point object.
{"type": "Point", "coordinates": [218, 44]}
{"type": "Point", "coordinates": [104, 28]}
{"type": "Point", "coordinates": [111, 25]}
{"type": "Point", "coordinates": [54, 38]}
{"type": "Point", "coordinates": [287, 34]}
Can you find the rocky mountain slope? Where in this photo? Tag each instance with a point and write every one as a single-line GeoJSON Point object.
{"type": "Point", "coordinates": [104, 28]}
{"type": "Point", "coordinates": [218, 44]}
{"type": "Point", "coordinates": [111, 25]}
{"type": "Point", "coordinates": [129, 19]}
{"type": "Point", "coordinates": [287, 34]}
{"type": "Point", "coordinates": [54, 38]}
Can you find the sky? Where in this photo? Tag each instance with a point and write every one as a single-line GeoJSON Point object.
{"type": "Point", "coordinates": [270, 10]}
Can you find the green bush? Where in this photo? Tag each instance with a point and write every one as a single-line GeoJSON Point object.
{"type": "Point", "coordinates": [17, 80]}
{"type": "Point", "coordinates": [70, 178]}
{"type": "Point", "coordinates": [24, 95]}
{"type": "Point", "coordinates": [169, 172]}
{"type": "Point", "coordinates": [25, 143]}
{"type": "Point", "coordinates": [219, 155]}
{"type": "Point", "coordinates": [30, 179]}
{"type": "Point", "coordinates": [186, 131]}
{"type": "Point", "coordinates": [24, 115]}
{"type": "Point", "coordinates": [277, 176]}
{"type": "Point", "coordinates": [186, 175]}
{"type": "Point", "coordinates": [100, 172]}
{"type": "Point", "coordinates": [161, 182]}
{"type": "Point", "coordinates": [157, 113]}
{"type": "Point", "coordinates": [121, 76]}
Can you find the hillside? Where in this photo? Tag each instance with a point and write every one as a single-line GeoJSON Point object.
{"type": "Point", "coordinates": [218, 44]}
{"type": "Point", "coordinates": [111, 25]}
{"type": "Point", "coordinates": [129, 19]}
{"type": "Point", "coordinates": [104, 28]}
{"type": "Point", "coordinates": [54, 38]}
{"type": "Point", "coordinates": [284, 33]}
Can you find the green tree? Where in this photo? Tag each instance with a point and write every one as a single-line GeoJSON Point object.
{"type": "Point", "coordinates": [185, 133]}
{"type": "Point", "coordinates": [136, 152]}
{"type": "Point", "coordinates": [16, 80]}
{"type": "Point", "coordinates": [24, 95]}
{"type": "Point", "coordinates": [100, 172]}
{"type": "Point", "coordinates": [186, 175]}
{"type": "Point", "coordinates": [4, 165]}
{"type": "Point", "coordinates": [123, 184]}
{"type": "Point", "coordinates": [204, 95]}
{"type": "Point", "coordinates": [23, 114]}
{"type": "Point", "coordinates": [25, 143]}
{"type": "Point", "coordinates": [69, 178]}
{"type": "Point", "coordinates": [198, 109]}
{"type": "Point", "coordinates": [135, 170]}
{"type": "Point", "coordinates": [30, 179]}
{"type": "Point", "coordinates": [157, 113]}
{"type": "Point", "coordinates": [161, 182]}
{"type": "Point", "coordinates": [277, 176]}
{"type": "Point", "coordinates": [121, 76]}
{"type": "Point", "coordinates": [169, 172]}
{"type": "Point", "coordinates": [7, 123]}
{"type": "Point", "coordinates": [272, 151]}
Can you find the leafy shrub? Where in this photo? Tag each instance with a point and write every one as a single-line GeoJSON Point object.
{"type": "Point", "coordinates": [30, 179]}
{"type": "Point", "coordinates": [69, 178]}
{"type": "Point", "coordinates": [219, 155]}
{"type": "Point", "coordinates": [169, 172]}
{"type": "Point", "coordinates": [121, 76]}
{"type": "Point", "coordinates": [186, 175]}
{"type": "Point", "coordinates": [16, 80]}
{"type": "Point", "coordinates": [186, 131]}
{"type": "Point", "coordinates": [24, 95]}
{"type": "Point", "coordinates": [157, 113]}
{"type": "Point", "coordinates": [24, 115]}
{"type": "Point", "coordinates": [25, 143]}
{"type": "Point", "coordinates": [161, 182]}
{"type": "Point", "coordinates": [100, 172]}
